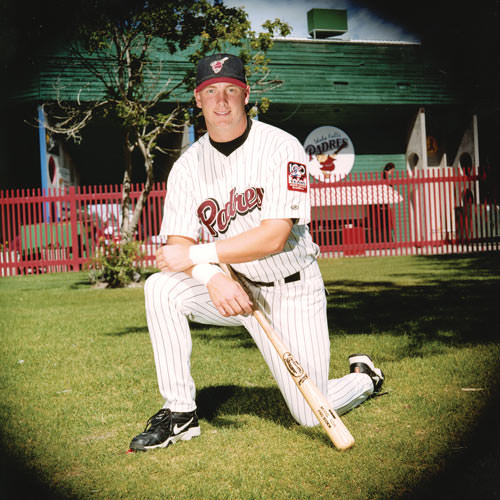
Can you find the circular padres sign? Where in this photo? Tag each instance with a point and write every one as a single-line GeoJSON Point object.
{"type": "Point", "coordinates": [331, 153]}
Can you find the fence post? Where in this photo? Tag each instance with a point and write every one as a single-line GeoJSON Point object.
{"type": "Point", "coordinates": [75, 257]}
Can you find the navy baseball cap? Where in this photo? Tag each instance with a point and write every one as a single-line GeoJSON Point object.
{"type": "Point", "coordinates": [220, 68]}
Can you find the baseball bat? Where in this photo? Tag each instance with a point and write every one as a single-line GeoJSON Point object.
{"type": "Point", "coordinates": [326, 415]}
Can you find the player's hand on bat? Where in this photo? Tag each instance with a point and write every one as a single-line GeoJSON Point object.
{"type": "Point", "coordinates": [228, 296]}
{"type": "Point", "coordinates": [173, 258]}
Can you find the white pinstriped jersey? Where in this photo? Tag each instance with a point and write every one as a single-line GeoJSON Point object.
{"type": "Point", "coordinates": [264, 178]}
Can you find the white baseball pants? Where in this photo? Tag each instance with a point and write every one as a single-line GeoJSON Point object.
{"type": "Point", "coordinates": [298, 313]}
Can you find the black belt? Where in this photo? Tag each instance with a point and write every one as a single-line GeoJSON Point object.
{"type": "Point", "coordinates": [289, 279]}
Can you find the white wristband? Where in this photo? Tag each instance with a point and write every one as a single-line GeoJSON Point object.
{"type": "Point", "coordinates": [203, 254]}
{"type": "Point", "coordinates": [204, 272]}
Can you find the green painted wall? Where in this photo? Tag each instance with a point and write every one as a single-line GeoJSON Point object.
{"type": "Point", "coordinates": [326, 72]}
{"type": "Point", "coordinates": [376, 163]}
{"type": "Point", "coordinates": [356, 73]}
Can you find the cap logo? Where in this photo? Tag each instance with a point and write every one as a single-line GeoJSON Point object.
{"type": "Point", "coordinates": [218, 65]}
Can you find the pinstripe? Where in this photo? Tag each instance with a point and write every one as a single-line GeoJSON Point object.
{"type": "Point", "coordinates": [295, 310]}
{"type": "Point", "coordinates": [349, 391]}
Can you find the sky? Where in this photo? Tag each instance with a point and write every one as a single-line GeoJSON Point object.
{"type": "Point", "coordinates": [361, 23]}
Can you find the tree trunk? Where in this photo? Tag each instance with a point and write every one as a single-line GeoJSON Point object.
{"type": "Point", "coordinates": [125, 230]}
{"type": "Point", "coordinates": [130, 220]}
{"type": "Point", "coordinates": [148, 167]}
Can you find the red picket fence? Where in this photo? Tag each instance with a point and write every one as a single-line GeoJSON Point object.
{"type": "Point", "coordinates": [440, 210]}
{"type": "Point", "coordinates": [60, 230]}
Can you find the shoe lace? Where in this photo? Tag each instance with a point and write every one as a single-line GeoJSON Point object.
{"type": "Point", "coordinates": [159, 418]}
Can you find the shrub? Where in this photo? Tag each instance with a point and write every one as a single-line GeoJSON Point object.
{"type": "Point", "coordinates": [116, 263]}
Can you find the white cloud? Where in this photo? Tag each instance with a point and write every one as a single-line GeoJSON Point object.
{"type": "Point", "coordinates": [364, 25]}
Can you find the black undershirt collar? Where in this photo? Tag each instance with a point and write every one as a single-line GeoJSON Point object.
{"type": "Point", "coordinates": [226, 148]}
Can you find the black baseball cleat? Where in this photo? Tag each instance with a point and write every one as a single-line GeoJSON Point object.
{"type": "Point", "coordinates": [365, 365]}
{"type": "Point", "coordinates": [165, 428]}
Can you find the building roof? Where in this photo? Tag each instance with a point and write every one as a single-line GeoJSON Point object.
{"type": "Point", "coordinates": [372, 194]}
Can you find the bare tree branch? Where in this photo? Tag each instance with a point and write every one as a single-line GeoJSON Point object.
{"type": "Point", "coordinates": [117, 53]}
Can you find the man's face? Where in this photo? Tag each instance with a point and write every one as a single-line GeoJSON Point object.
{"type": "Point", "coordinates": [223, 106]}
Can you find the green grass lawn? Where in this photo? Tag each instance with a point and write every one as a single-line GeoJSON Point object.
{"type": "Point", "coordinates": [78, 382]}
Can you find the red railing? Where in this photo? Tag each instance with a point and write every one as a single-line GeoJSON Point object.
{"type": "Point", "coordinates": [59, 231]}
{"type": "Point", "coordinates": [439, 210]}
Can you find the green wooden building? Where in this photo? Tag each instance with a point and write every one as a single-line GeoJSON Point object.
{"type": "Point", "coordinates": [372, 91]}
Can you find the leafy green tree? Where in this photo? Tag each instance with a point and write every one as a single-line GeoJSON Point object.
{"type": "Point", "coordinates": [115, 42]}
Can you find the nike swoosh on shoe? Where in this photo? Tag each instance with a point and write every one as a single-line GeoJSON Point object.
{"type": "Point", "coordinates": [178, 429]}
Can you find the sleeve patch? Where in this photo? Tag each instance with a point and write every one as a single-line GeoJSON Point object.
{"type": "Point", "coordinates": [297, 177]}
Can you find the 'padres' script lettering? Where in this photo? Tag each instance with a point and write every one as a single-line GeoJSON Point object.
{"type": "Point", "coordinates": [217, 220]}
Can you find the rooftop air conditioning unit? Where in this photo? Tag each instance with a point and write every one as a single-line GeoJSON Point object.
{"type": "Point", "coordinates": [324, 23]}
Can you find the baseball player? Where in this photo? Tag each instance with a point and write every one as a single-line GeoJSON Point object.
{"type": "Point", "coordinates": [246, 184]}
